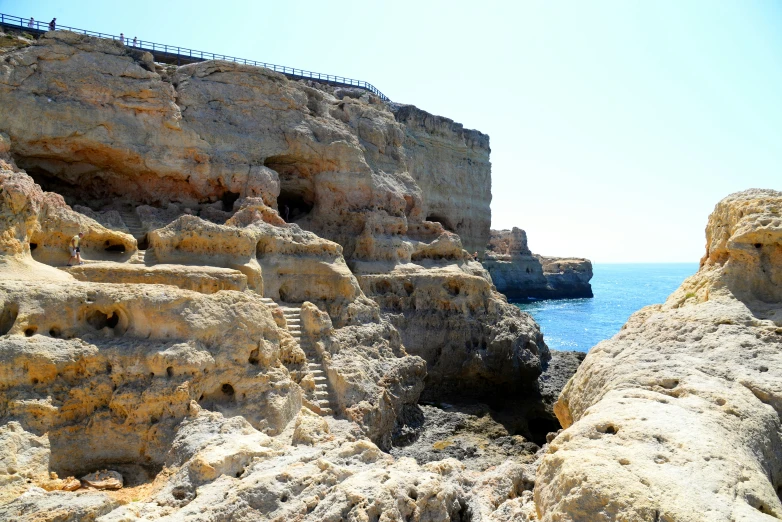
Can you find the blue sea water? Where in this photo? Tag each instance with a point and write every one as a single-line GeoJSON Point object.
{"type": "Point", "coordinates": [619, 289]}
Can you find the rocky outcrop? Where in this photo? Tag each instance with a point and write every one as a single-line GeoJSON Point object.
{"type": "Point", "coordinates": [221, 141]}
{"type": "Point", "coordinates": [475, 343]}
{"type": "Point", "coordinates": [233, 346]}
{"type": "Point", "coordinates": [443, 153]}
{"type": "Point", "coordinates": [520, 274]}
{"type": "Point", "coordinates": [677, 417]}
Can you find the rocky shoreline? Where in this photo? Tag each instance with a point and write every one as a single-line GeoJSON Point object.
{"type": "Point", "coordinates": [279, 318]}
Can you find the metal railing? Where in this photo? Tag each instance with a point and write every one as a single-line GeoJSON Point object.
{"type": "Point", "coordinates": [190, 55]}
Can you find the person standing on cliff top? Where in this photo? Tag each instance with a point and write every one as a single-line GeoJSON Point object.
{"type": "Point", "coordinates": [53, 24]}
{"type": "Point", "coordinates": [122, 38]}
{"type": "Point", "coordinates": [31, 23]}
{"type": "Point", "coordinates": [134, 41]}
{"type": "Point", "coordinates": [76, 248]}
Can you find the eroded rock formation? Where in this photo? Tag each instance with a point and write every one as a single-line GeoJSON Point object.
{"type": "Point", "coordinates": [677, 417]}
{"type": "Point", "coordinates": [273, 277]}
{"type": "Point", "coordinates": [520, 274]}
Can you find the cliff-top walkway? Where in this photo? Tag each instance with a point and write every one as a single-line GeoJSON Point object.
{"type": "Point", "coordinates": [172, 54]}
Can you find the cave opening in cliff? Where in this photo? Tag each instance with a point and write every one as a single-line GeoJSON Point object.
{"type": "Point", "coordinates": [91, 190]}
{"type": "Point", "coordinates": [228, 199]}
{"type": "Point", "coordinates": [444, 221]}
{"type": "Point", "coordinates": [293, 206]}
{"type": "Point", "coordinates": [297, 189]}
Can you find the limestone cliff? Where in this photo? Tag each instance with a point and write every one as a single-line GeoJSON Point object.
{"type": "Point", "coordinates": [388, 183]}
{"type": "Point", "coordinates": [520, 274]}
{"type": "Point", "coordinates": [677, 417]}
{"type": "Point", "coordinates": [273, 276]}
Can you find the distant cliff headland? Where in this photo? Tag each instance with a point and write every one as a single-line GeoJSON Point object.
{"type": "Point", "coordinates": [520, 274]}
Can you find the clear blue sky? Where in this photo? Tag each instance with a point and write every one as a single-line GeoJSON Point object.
{"type": "Point", "coordinates": [615, 125]}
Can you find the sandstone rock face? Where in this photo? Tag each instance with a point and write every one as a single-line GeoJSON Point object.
{"type": "Point", "coordinates": [677, 417]}
{"type": "Point", "coordinates": [214, 131]}
{"type": "Point", "coordinates": [520, 274]}
{"type": "Point", "coordinates": [233, 144]}
{"type": "Point", "coordinates": [474, 342]}
{"type": "Point", "coordinates": [443, 153]}
{"type": "Point", "coordinates": [264, 260]}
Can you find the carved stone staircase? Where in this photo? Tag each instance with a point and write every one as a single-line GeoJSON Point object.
{"type": "Point", "coordinates": [136, 229]}
{"type": "Point", "coordinates": [132, 221]}
{"type": "Point", "coordinates": [314, 363]}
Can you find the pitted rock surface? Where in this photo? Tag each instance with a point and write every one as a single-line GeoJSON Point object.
{"type": "Point", "coordinates": [677, 417]}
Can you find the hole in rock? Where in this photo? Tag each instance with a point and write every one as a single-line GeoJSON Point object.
{"type": "Point", "coordinates": [763, 369]}
{"type": "Point", "coordinates": [444, 221]}
{"type": "Point", "coordinates": [464, 514]}
{"type": "Point", "coordinates": [54, 332]}
{"type": "Point", "coordinates": [253, 359]}
{"type": "Point", "coordinates": [758, 245]}
{"type": "Point", "coordinates": [33, 246]}
{"type": "Point", "coordinates": [297, 190]}
{"type": "Point", "coordinates": [539, 427]}
{"type": "Point", "coordinates": [292, 292]}
{"type": "Point", "coordinates": [179, 493]}
{"type": "Point", "coordinates": [669, 384]}
{"type": "Point", "coordinates": [8, 317]}
{"type": "Point", "coordinates": [170, 371]}
{"type": "Point", "coordinates": [109, 367]}
{"type": "Point", "coordinates": [228, 199]}
{"type": "Point", "coordinates": [293, 206]}
{"type": "Point", "coordinates": [453, 287]}
{"type": "Point", "coordinates": [609, 429]}
{"type": "Point", "coordinates": [99, 320]}
{"type": "Point", "coordinates": [382, 287]}
{"type": "Point", "coordinates": [115, 248]}
{"type": "Point", "coordinates": [221, 397]}
{"type": "Point", "coordinates": [35, 381]}
{"type": "Point", "coordinates": [143, 243]}
{"type": "Point", "coordinates": [284, 497]}
{"type": "Point", "coordinates": [30, 331]}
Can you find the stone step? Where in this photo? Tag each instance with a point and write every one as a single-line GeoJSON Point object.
{"type": "Point", "coordinates": [326, 411]}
